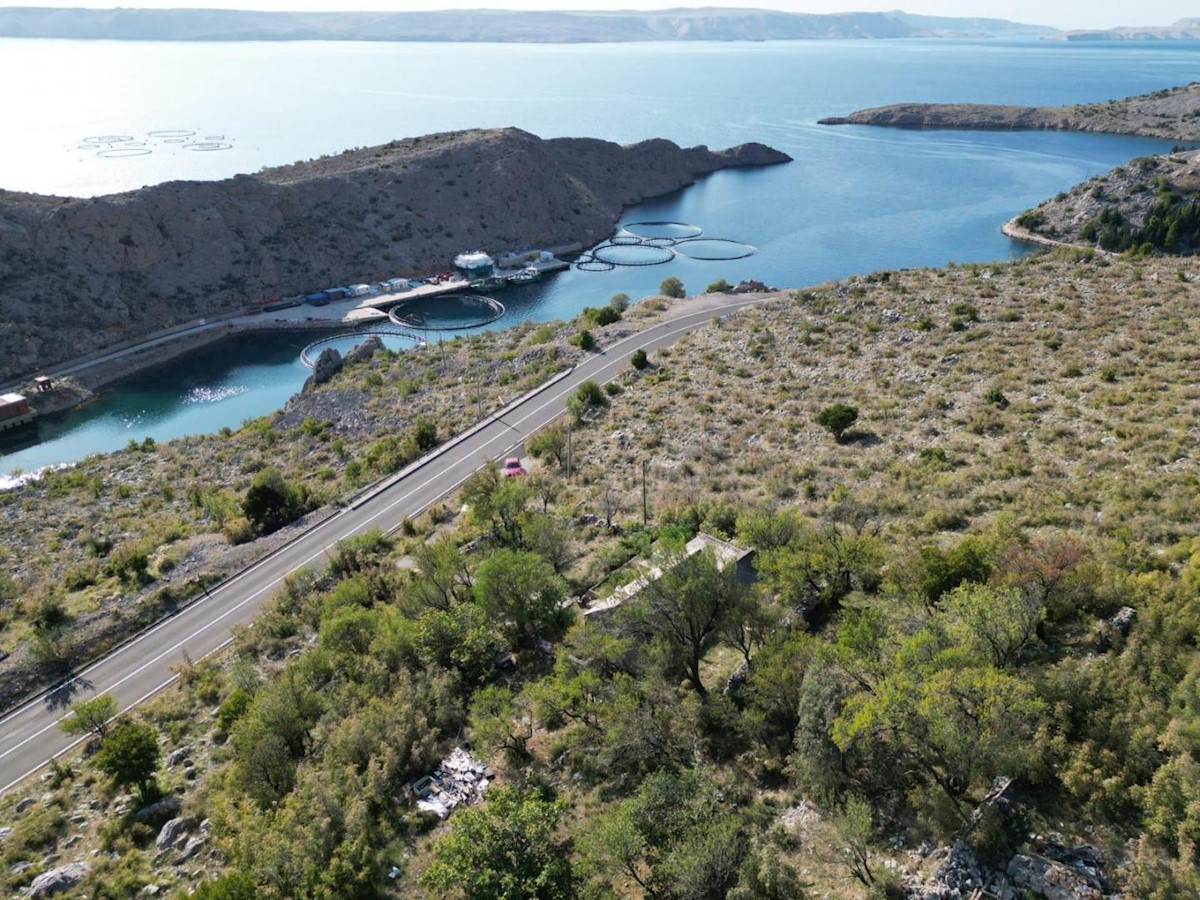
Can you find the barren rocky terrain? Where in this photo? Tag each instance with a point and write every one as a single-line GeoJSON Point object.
{"type": "Point", "coordinates": [77, 275]}
{"type": "Point", "coordinates": [1172, 114]}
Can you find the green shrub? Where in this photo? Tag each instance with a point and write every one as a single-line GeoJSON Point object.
{"type": "Point", "coordinates": [672, 287]}
{"type": "Point", "coordinates": [837, 418]}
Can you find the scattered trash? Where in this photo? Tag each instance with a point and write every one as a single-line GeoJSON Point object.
{"type": "Point", "coordinates": [461, 779]}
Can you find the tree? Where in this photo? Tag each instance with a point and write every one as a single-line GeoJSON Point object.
{"type": "Point", "coordinates": [720, 286]}
{"type": "Point", "coordinates": [853, 822]}
{"type": "Point", "coordinates": [1000, 621]}
{"type": "Point", "coordinates": [550, 443]}
{"type": "Point", "coordinates": [639, 360]}
{"type": "Point", "coordinates": [129, 755]}
{"type": "Point", "coordinates": [90, 716]}
{"type": "Point", "coordinates": [672, 287]}
{"type": "Point", "coordinates": [682, 611]}
{"type": "Point", "coordinates": [520, 589]}
{"type": "Point", "coordinates": [837, 419]}
{"type": "Point", "coordinates": [505, 849]}
{"type": "Point", "coordinates": [271, 502]}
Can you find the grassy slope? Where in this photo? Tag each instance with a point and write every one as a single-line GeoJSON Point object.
{"type": "Point", "coordinates": [1093, 435]}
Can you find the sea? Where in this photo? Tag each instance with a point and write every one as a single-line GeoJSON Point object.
{"type": "Point", "coordinates": [98, 117]}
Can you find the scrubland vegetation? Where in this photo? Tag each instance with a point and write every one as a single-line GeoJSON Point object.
{"type": "Point", "coordinates": [990, 571]}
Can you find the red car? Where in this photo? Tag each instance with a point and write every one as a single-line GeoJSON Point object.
{"type": "Point", "coordinates": [511, 467]}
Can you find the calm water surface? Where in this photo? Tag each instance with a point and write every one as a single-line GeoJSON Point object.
{"type": "Point", "coordinates": [855, 200]}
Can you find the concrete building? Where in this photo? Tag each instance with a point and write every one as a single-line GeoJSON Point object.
{"type": "Point", "coordinates": [15, 411]}
{"type": "Point", "coordinates": [476, 264]}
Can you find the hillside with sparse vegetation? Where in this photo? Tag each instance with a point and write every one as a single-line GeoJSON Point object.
{"type": "Point", "coordinates": [975, 619]}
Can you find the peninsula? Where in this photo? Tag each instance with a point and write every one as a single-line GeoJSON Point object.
{"type": "Point", "coordinates": [79, 275]}
{"type": "Point", "coordinates": [1170, 113]}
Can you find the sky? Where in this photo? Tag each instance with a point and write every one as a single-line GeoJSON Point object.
{"type": "Point", "coordinates": [1071, 14]}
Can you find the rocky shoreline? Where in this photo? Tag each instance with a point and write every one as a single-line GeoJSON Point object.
{"type": "Point", "coordinates": [1166, 114]}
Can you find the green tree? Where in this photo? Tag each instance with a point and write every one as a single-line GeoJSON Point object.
{"type": "Point", "coordinates": [550, 444]}
{"type": "Point", "coordinates": [520, 589]}
{"type": "Point", "coordinates": [506, 849]}
{"type": "Point", "coordinates": [720, 286]}
{"type": "Point", "coordinates": [129, 755]}
{"type": "Point", "coordinates": [999, 621]}
{"type": "Point", "coordinates": [271, 502]}
{"type": "Point", "coordinates": [682, 612]}
{"type": "Point", "coordinates": [837, 419]}
{"type": "Point", "coordinates": [672, 287]}
{"type": "Point", "coordinates": [91, 716]}
{"type": "Point", "coordinates": [853, 822]}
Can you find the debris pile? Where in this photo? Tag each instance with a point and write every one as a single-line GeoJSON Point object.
{"type": "Point", "coordinates": [461, 779]}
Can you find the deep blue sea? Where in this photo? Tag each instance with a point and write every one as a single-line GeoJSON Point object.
{"type": "Point", "coordinates": [855, 199]}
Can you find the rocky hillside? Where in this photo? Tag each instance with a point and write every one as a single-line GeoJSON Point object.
{"type": "Point", "coordinates": [80, 274]}
{"type": "Point", "coordinates": [1172, 113]}
{"type": "Point", "coordinates": [524, 26]}
{"type": "Point", "coordinates": [1149, 205]}
{"type": "Point", "coordinates": [1182, 30]}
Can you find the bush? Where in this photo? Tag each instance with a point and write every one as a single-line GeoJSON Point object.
{"type": "Point", "coordinates": [720, 286]}
{"type": "Point", "coordinates": [273, 502]}
{"type": "Point", "coordinates": [585, 340]}
{"type": "Point", "coordinates": [425, 435]}
{"type": "Point", "coordinates": [837, 419]}
{"type": "Point", "coordinates": [672, 287]}
{"type": "Point", "coordinates": [639, 360]}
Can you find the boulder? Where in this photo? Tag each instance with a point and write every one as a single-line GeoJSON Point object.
{"type": "Point", "coordinates": [164, 809]}
{"type": "Point", "coordinates": [23, 805]}
{"type": "Point", "coordinates": [169, 834]}
{"type": "Point", "coordinates": [178, 756]}
{"type": "Point", "coordinates": [190, 849]}
{"type": "Point", "coordinates": [60, 880]}
{"type": "Point", "coordinates": [365, 350]}
{"type": "Point", "coordinates": [1049, 879]}
{"type": "Point", "coordinates": [328, 364]}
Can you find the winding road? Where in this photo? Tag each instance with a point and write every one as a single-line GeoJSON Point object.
{"type": "Point", "coordinates": [139, 669]}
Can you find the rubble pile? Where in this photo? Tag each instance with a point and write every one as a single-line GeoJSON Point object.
{"type": "Point", "coordinates": [461, 779]}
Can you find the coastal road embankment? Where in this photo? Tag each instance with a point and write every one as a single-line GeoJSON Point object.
{"type": "Point", "coordinates": [136, 671]}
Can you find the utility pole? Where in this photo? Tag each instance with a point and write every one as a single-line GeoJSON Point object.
{"type": "Point", "coordinates": [568, 450]}
{"type": "Point", "coordinates": [645, 507]}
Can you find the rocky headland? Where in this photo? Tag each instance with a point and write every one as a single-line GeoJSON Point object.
{"type": "Point", "coordinates": [1151, 204]}
{"type": "Point", "coordinates": [1173, 114]}
{"type": "Point", "coordinates": [78, 275]}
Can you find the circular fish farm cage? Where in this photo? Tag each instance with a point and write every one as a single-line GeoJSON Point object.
{"type": "Point", "coordinates": [123, 152]}
{"type": "Point", "coordinates": [309, 354]}
{"type": "Point", "coordinates": [589, 263]}
{"type": "Point", "coordinates": [714, 249]}
{"type": "Point", "coordinates": [207, 146]}
{"type": "Point", "coordinates": [171, 134]}
{"type": "Point", "coordinates": [633, 254]}
{"type": "Point", "coordinates": [676, 231]}
{"type": "Point", "coordinates": [488, 311]}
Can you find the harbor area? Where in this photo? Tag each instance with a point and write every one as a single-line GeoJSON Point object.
{"type": "Point", "coordinates": [368, 304]}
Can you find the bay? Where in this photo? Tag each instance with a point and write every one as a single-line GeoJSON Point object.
{"type": "Point", "coordinates": [855, 200]}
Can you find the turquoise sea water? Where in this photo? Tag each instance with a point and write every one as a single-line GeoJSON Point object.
{"type": "Point", "coordinates": [855, 199]}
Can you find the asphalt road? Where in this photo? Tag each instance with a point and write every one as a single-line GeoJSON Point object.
{"type": "Point", "coordinates": [30, 736]}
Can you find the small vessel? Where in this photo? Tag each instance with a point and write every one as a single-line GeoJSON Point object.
{"type": "Point", "coordinates": [526, 275]}
{"type": "Point", "coordinates": [491, 283]}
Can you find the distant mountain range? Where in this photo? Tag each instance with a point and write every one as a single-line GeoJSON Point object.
{"type": "Point", "coordinates": [1183, 30]}
{"type": "Point", "coordinates": [704, 24]}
